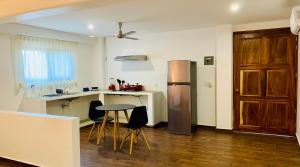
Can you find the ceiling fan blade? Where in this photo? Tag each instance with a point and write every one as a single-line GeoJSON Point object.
{"type": "Point", "coordinates": [131, 38]}
{"type": "Point", "coordinates": [129, 33]}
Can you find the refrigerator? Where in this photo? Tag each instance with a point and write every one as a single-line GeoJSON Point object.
{"type": "Point", "coordinates": [182, 96]}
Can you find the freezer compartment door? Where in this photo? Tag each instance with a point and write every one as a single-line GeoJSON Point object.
{"type": "Point", "coordinates": [179, 109]}
{"type": "Point", "coordinates": [179, 71]}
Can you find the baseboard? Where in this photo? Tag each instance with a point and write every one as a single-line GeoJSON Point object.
{"type": "Point", "coordinates": [86, 123]}
{"type": "Point", "coordinates": [15, 162]}
{"type": "Point", "coordinates": [298, 138]}
{"type": "Point", "coordinates": [206, 127]}
{"type": "Point", "coordinates": [161, 125]}
{"type": "Point", "coordinates": [165, 124]}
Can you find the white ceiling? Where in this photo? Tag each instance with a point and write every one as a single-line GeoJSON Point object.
{"type": "Point", "coordinates": [148, 16]}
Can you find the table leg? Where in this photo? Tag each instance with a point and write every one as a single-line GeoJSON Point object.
{"type": "Point", "coordinates": [102, 127]}
{"type": "Point", "coordinates": [126, 115]}
{"type": "Point", "coordinates": [115, 131]}
{"type": "Point", "coordinates": [118, 128]}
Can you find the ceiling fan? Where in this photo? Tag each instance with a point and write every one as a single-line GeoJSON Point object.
{"type": "Point", "coordinates": [125, 35]}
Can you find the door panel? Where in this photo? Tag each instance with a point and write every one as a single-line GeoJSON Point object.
{"type": "Point", "coordinates": [250, 84]}
{"type": "Point", "coordinates": [278, 50]}
{"type": "Point", "coordinates": [250, 114]}
{"type": "Point", "coordinates": [250, 51]}
{"type": "Point", "coordinates": [179, 109]}
{"type": "Point", "coordinates": [277, 116]}
{"type": "Point", "coordinates": [179, 71]}
{"type": "Point", "coordinates": [277, 83]}
{"type": "Point", "coordinates": [264, 81]}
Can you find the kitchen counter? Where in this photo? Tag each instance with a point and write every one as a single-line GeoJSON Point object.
{"type": "Point", "coordinates": [68, 96]}
{"type": "Point", "coordinates": [108, 92]}
{"type": "Point", "coordinates": [77, 104]}
{"type": "Point", "coordinates": [73, 105]}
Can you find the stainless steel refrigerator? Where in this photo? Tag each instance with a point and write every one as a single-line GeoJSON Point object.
{"type": "Point", "coordinates": [182, 96]}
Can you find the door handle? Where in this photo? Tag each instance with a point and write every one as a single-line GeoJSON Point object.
{"type": "Point", "coordinates": [236, 90]}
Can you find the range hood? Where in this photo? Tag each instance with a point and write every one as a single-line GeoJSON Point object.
{"type": "Point", "coordinates": [131, 58]}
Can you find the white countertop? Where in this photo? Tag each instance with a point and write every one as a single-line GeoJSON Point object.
{"type": "Point", "coordinates": [127, 92]}
{"type": "Point", "coordinates": [68, 96]}
{"type": "Point", "coordinates": [89, 93]}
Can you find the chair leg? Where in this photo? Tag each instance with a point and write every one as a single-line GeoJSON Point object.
{"type": "Point", "coordinates": [115, 131]}
{"type": "Point", "coordinates": [131, 142]}
{"type": "Point", "coordinates": [98, 129]}
{"type": "Point", "coordinates": [143, 135]}
{"type": "Point", "coordinates": [126, 135]}
{"type": "Point", "coordinates": [91, 131]}
{"type": "Point", "coordinates": [104, 133]}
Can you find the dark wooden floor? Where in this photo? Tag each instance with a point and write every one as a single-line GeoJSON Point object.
{"type": "Point", "coordinates": [207, 147]}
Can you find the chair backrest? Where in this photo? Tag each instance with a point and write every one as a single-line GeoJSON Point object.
{"type": "Point", "coordinates": [138, 118]}
{"type": "Point", "coordinates": [93, 113]}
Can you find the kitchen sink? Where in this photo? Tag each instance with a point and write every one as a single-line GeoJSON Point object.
{"type": "Point", "coordinates": [58, 94]}
{"type": "Point", "coordinates": [53, 95]}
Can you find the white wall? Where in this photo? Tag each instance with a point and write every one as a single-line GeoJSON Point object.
{"type": "Point", "coordinates": [224, 77]}
{"type": "Point", "coordinates": [160, 48]}
{"type": "Point", "coordinates": [41, 140]}
{"type": "Point", "coordinates": [8, 99]}
{"type": "Point", "coordinates": [261, 25]}
{"type": "Point", "coordinates": [98, 63]}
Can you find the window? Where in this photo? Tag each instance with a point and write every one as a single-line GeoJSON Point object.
{"type": "Point", "coordinates": [42, 67]}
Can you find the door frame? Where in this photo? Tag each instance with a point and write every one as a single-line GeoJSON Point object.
{"type": "Point", "coordinates": [236, 72]}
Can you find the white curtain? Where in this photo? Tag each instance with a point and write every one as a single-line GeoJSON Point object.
{"type": "Point", "coordinates": [43, 65]}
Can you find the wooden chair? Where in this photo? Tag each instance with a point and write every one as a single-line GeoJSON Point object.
{"type": "Point", "coordinates": [97, 116]}
{"type": "Point", "coordinates": [138, 119]}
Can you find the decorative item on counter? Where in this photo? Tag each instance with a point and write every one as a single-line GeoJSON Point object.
{"type": "Point", "coordinates": [59, 91]}
{"type": "Point", "coordinates": [136, 87]}
{"type": "Point", "coordinates": [122, 85]}
{"type": "Point", "coordinates": [95, 88]}
{"type": "Point", "coordinates": [119, 84]}
{"type": "Point", "coordinates": [86, 89]}
{"type": "Point", "coordinates": [112, 86]}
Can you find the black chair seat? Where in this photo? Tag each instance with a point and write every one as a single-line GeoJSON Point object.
{"type": "Point", "coordinates": [97, 120]}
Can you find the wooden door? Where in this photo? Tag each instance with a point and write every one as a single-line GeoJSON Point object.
{"type": "Point", "coordinates": [265, 81]}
